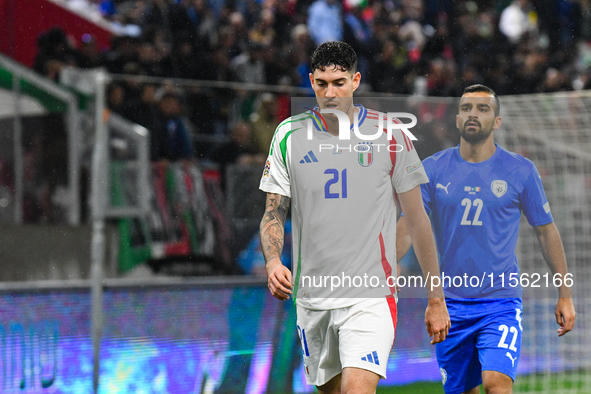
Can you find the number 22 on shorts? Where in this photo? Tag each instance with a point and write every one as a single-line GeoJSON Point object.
{"type": "Point", "coordinates": [505, 329]}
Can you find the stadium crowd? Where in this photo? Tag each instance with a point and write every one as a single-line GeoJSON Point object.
{"type": "Point", "coordinates": [425, 47]}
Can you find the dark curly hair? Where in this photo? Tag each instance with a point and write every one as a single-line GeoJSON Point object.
{"type": "Point", "coordinates": [481, 88]}
{"type": "Point", "coordinates": [334, 53]}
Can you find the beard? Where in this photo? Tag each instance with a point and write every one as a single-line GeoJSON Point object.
{"type": "Point", "coordinates": [474, 137]}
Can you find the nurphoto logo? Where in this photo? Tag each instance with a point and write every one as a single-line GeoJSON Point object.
{"type": "Point", "coordinates": [393, 122]}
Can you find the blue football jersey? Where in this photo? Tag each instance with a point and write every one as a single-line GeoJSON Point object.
{"type": "Point", "coordinates": [475, 209]}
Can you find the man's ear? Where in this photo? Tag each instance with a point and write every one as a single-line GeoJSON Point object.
{"type": "Point", "coordinates": [497, 123]}
{"type": "Point", "coordinates": [311, 79]}
{"type": "Point", "coordinates": [356, 80]}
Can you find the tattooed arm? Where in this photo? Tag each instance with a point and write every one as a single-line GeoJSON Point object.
{"type": "Point", "coordinates": [272, 231]}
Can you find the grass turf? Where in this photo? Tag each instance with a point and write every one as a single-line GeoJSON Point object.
{"type": "Point", "coordinates": [573, 382]}
{"type": "Point", "coordinates": [414, 388]}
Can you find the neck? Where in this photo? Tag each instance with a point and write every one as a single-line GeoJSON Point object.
{"type": "Point", "coordinates": [479, 152]}
{"type": "Point", "coordinates": [333, 122]}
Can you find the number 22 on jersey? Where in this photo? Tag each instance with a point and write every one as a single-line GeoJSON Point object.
{"type": "Point", "coordinates": [478, 204]}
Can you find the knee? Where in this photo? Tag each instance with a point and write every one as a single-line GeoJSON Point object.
{"type": "Point", "coordinates": [496, 383]}
{"type": "Point", "coordinates": [498, 388]}
{"type": "Point", "coordinates": [359, 381]}
{"type": "Point", "coordinates": [331, 387]}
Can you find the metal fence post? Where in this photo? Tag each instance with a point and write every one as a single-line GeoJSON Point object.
{"type": "Point", "coordinates": [18, 150]}
{"type": "Point", "coordinates": [74, 148]}
{"type": "Point", "coordinates": [99, 196]}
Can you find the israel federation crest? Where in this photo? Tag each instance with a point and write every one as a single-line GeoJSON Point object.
{"type": "Point", "coordinates": [365, 150]}
{"type": "Point", "coordinates": [443, 375]}
{"type": "Point", "coordinates": [499, 188]}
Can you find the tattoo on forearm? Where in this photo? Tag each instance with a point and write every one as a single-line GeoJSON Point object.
{"type": "Point", "coordinates": [272, 225]}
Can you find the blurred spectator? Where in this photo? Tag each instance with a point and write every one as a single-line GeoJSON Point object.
{"type": "Point", "coordinates": [263, 31]}
{"type": "Point", "coordinates": [151, 61]}
{"type": "Point", "coordinates": [249, 66]}
{"type": "Point", "coordinates": [433, 47]}
{"type": "Point", "coordinates": [299, 52]}
{"type": "Point", "coordinates": [116, 98]}
{"type": "Point", "coordinates": [389, 68]}
{"type": "Point", "coordinates": [171, 141]}
{"type": "Point", "coordinates": [123, 51]}
{"type": "Point", "coordinates": [275, 67]}
{"type": "Point", "coordinates": [284, 21]}
{"type": "Point", "coordinates": [470, 76]}
{"type": "Point", "coordinates": [570, 17]}
{"type": "Point", "coordinates": [441, 81]}
{"type": "Point", "coordinates": [379, 35]}
{"type": "Point", "coordinates": [325, 21]}
{"type": "Point", "coordinates": [239, 33]}
{"type": "Point", "coordinates": [439, 43]}
{"type": "Point", "coordinates": [171, 16]}
{"type": "Point", "coordinates": [145, 110]}
{"type": "Point", "coordinates": [55, 51]}
{"type": "Point", "coordinates": [264, 122]}
{"type": "Point", "coordinates": [188, 64]}
{"type": "Point", "coordinates": [555, 81]}
{"type": "Point", "coordinates": [89, 56]}
{"type": "Point", "coordinates": [529, 70]}
{"type": "Point", "coordinates": [515, 21]}
{"type": "Point", "coordinates": [240, 149]}
{"type": "Point", "coordinates": [203, 24]}
{"type": "Point", "coordinates": [356, 33]}
{"type": "Point", "coordinates": [268, 41]}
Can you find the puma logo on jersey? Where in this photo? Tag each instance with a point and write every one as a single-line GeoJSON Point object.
{"type": "Point", "coordinates": [512, 359]}
{"type": "Point", "coordinates": [440, 186]}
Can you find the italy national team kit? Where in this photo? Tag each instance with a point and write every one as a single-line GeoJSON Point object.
{"type": "Point", "coordinates": [475, 210]}
{"type": "Point", "coordinates": [340, 189]}
{"type": "Point", "coordinates": [343, 226]}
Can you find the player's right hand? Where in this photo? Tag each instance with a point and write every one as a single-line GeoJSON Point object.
{"type": "Point", "coordinates": [279, 279]}
{"type": "Point", "coordinates": [437, 320]}
{"type": "Point", "coordinates": [565, 315]}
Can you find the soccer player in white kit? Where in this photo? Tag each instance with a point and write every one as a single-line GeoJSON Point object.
{"type": "Point", "coordinates": [344, 229]}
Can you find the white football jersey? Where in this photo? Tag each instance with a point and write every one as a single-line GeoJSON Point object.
{"type": "Point", "coordinates": [342, 205]}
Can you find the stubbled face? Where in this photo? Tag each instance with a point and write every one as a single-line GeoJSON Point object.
{"type": "Point", "coordinates": [476, 119]}
{"type": "Point", "coordinates": [334, 88]}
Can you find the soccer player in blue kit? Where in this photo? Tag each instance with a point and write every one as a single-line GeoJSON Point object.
{"type": "Point", "coordinates": [475, 196]}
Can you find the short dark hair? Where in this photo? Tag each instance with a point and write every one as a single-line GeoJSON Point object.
{"type": "Point", "coordinates": [481, 88]}
{"type": "Point", "coordinates": [334, 53]}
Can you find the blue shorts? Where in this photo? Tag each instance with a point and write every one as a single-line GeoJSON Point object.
{"type": "Point", "coordinates": [488, 341]}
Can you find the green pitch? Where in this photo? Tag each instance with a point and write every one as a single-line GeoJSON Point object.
{"type": "Point", "coordinates": [575, 383]}
{"type": "Point", "coordinates": [415, 388]}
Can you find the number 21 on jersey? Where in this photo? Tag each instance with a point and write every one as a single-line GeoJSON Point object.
{"type": "Point", "coordinates": [334, 192]}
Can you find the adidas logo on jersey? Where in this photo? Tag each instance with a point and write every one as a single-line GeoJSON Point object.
{"type": "Point", "coordinates": [309, 158]}
{"type": "Point", "coordinates": [372, 358]}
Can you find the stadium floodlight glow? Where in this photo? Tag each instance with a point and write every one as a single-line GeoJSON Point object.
{"type": "Point", "coordinates": [392, 122]}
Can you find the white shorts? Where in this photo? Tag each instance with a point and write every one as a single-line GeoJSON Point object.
{"type": "Point", "coordinates": [359, 336]}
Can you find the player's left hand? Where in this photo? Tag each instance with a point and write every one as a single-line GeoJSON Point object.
{"type": "Point", "coordinates": [437, 320]}
{"type": "Point", "coordinates": [565, 315]}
